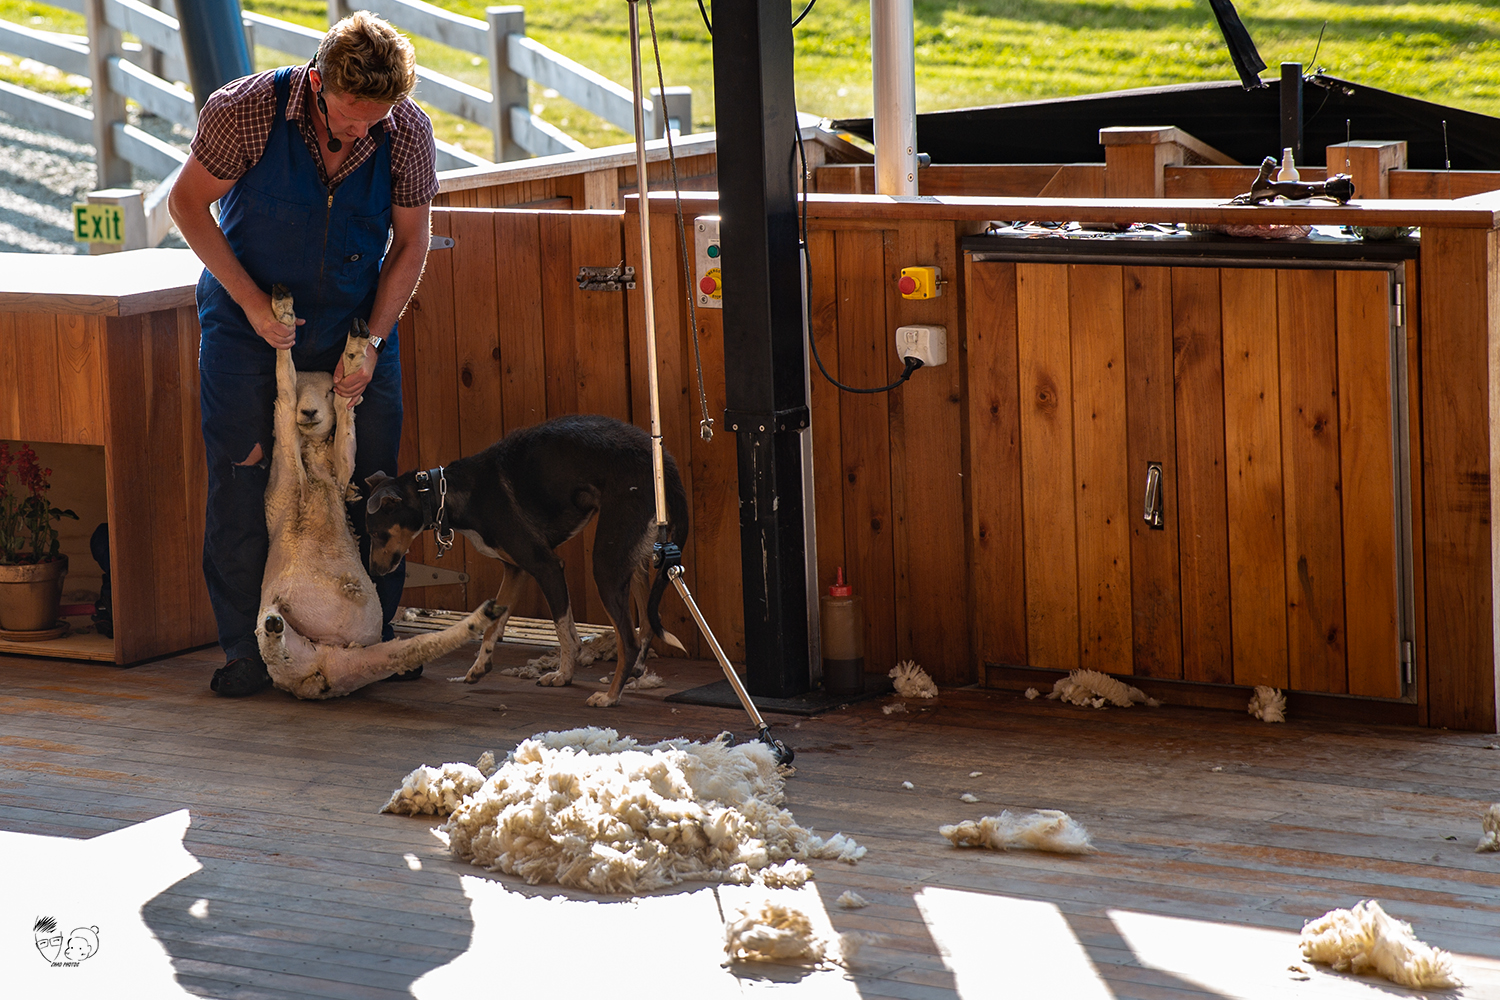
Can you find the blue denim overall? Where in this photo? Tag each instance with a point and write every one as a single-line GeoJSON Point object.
{"type": "Point", "coordinates": [287, 227]}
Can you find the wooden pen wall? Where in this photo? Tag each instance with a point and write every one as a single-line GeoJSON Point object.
{"type": "Point", "coordinates": [499, 336]}
{"type": "Point", "coordinates": [1265, 398]}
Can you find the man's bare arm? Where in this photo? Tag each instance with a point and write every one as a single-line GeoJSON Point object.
{"type": "Point", "coordinates": [399, 275]}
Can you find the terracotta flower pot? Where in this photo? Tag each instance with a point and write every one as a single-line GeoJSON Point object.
{"type": "Point", "coordinates": [31, 594]}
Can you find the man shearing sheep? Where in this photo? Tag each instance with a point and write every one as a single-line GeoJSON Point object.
{"type": "Point", "coordinates": [324, 175]}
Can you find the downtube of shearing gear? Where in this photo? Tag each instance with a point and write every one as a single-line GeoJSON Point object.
{"type": "Point", "coordinates": [644, 282]}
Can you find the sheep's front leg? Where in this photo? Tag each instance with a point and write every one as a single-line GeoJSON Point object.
{"type": "Point", "coordinates": [343, 451]}
{"type": "Point", "coordinates": [505, 599]}
{"type": "Point", "coordinates": [286, 455]}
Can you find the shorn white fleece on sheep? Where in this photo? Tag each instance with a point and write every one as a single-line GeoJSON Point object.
{"type": "Point", "coordinates": [1043, 830]}
{"type": "Point", "coordinates": [1366, 939]}
{"type": "Point", "coordinates": [1268, 704]}
{"type": "Point", "coordinates": [1491, 839]}
{"type": "Point", "coordinates": [590, 809]}
{"type": "Point", "coordinates": [1093, 689]}
{"type": "Point", "coordinates": [911, 681]}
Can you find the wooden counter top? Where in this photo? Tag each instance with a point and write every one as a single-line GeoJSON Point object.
{"type": "Point", "coordinates": [116, 284]}
{"type": "Point", "coordinates": [1476, 212]}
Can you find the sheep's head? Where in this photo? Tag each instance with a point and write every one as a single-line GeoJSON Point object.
{"type": "Point", "coordinates": [315, 405]}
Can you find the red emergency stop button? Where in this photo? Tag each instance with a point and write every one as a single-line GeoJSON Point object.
{"type": "Point", "coordinates": [708, 285]}
{"type": "Point", "coordinates": [907, 284]}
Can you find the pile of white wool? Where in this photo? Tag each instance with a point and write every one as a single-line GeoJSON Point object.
{"type": "Point", "coordinates": [590, 809]}
{"type": "Point", "coordinates": [911, 681]}
{"type": "Point", "coordinates": [1491, 839]}
{"type": "Point", "coordinates": [1366, 939]}
{"type": "Point", "coordinates": [1268, 704]}
{"type": "Point", "coordinates": [1044, 830]}
{"type": "Point", "coordinates": [1093, 689]}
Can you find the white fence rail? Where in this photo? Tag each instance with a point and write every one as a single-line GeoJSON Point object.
{"type": "Point", "coordinates": [151, 73]}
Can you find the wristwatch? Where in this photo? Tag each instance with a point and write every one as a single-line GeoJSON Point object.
{"type": "Point", "coordinates": [378, 343]}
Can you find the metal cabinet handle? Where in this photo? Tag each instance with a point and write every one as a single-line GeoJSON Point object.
{"type": "Point", "coordinates": [1152, 513]}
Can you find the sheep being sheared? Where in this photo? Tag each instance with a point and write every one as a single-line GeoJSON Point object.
{"type": "Point", "coordinates": [320, 618]}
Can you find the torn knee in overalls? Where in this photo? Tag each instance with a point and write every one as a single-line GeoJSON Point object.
{"type": "Point", "coordinates": [256, 456]}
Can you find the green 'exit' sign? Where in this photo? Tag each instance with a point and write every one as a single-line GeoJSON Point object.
{"type": "Point", "coordinates": [98, 223]}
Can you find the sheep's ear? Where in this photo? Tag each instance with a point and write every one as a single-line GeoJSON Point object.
{"type": "Point", "coordinates": [382, 492]}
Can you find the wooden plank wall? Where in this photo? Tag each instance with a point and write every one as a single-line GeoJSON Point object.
{"type": "Point", "coordinates": [1266, 395]}
{"type": "Point", "coordinates": [525, 343]}
{"type": "Point", "coordinates": [498, 337]}
{"type": "Point", "coordinates": [919, 492]}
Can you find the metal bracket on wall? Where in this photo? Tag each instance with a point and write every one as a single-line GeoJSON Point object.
{"type": "Point", "coordinates": [440, 243]}
{"type": "Point", "coordinates": [418, 575]}
{"type": "Point", "coordinates": [1152, 512]}
{"type": "Point", "coordinates": [606, 279]}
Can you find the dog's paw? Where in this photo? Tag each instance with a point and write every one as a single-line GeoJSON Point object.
{"type": "Point", "coordinates": [601, 699]}
{"type": "Point", "coordinates": [556, 679]}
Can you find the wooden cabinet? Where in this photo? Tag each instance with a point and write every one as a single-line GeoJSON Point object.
{"type": "Point", "coordinates": [1267, 395]}
{"type": "Point", "coordinates": [103, 351]}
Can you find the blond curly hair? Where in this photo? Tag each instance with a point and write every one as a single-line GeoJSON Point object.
{"type": "Point", "coordinates": [365, 58]}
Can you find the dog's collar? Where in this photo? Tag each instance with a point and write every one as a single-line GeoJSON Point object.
{"type": "Point", "coordinates": [435, 516]}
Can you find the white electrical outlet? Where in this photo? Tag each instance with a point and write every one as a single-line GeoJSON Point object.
{"type": "Point", "coordinates": [928, 344]}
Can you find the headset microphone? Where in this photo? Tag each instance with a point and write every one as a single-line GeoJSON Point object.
{"type": "Point", "coordinates": [334, 143]}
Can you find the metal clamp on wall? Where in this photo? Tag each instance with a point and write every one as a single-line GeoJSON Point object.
{"type": "Point", "coordinates": [606, 279]}
{"type": "Point", "coordinates": [795, 419]}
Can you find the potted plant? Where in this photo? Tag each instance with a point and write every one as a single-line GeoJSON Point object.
{"type": "Point", "coordinates": [31, 568]}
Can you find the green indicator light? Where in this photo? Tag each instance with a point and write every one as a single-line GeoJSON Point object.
{"type": "Point", "coordinates": [713, 250]}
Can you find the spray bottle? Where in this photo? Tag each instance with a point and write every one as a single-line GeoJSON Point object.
{"type": "Point", "coordinates": [843, 626]}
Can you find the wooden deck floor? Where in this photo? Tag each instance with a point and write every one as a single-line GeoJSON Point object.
{"type": "Point", "coordinates": [246, 857]}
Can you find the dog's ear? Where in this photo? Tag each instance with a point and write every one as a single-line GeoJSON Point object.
{"type": "Point", "coordinates": [383, 491]}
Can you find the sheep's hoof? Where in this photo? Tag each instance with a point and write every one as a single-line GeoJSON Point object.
{"type": "Point", "coordinates": [274, 625]}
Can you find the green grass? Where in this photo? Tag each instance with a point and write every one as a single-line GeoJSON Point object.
{"type": "Point", "coordinates": [975, 52]}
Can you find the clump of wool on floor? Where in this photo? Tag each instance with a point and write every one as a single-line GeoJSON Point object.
{"type": "Point", "coordinates": [772, 932]}
{"type": "Point", "coordinates": [593, 810]}
{"type": "Point", "coordinates": [1092, 689]}
{"type": "Point", "coordinates": [1043, 830]}
{"type": "Point", "coordinates": [604, 646]}
{"type": "Point", "coordinates": [1491, 822]}
{"type": "Point", "coordinates": [911, 681]}
{"type": "Point", "coordinates": [650, 679]}
{"type": "Point", "coordinates": [1267, 704]}
{"type": "Point", "coordinates": [1365, 939]}
{"type": "Point", "coordinates": [776, 932]}
{"type": "Point", "coordinates": [851, 900]}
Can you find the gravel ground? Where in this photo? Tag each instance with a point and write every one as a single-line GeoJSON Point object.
{"type": "Point", "coordinates": [43, 174]}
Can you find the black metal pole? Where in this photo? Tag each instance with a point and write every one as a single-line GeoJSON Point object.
{"type": "Point", "coordinates": [1291, 108]}
{"type": "Point", "coordinates": [764, 357]}
{"type": "Point", "coordinates": [213, 43]}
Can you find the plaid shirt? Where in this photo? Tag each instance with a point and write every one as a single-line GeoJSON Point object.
{"type": "Point", "coordinates": [236, 121]}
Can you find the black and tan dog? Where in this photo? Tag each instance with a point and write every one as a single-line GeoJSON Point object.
{"type": "Point", "coordinates": [522, 497]}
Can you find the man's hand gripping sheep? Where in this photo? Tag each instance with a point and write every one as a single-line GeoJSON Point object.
{"type": "Point", "coordinates": [320, 619]}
